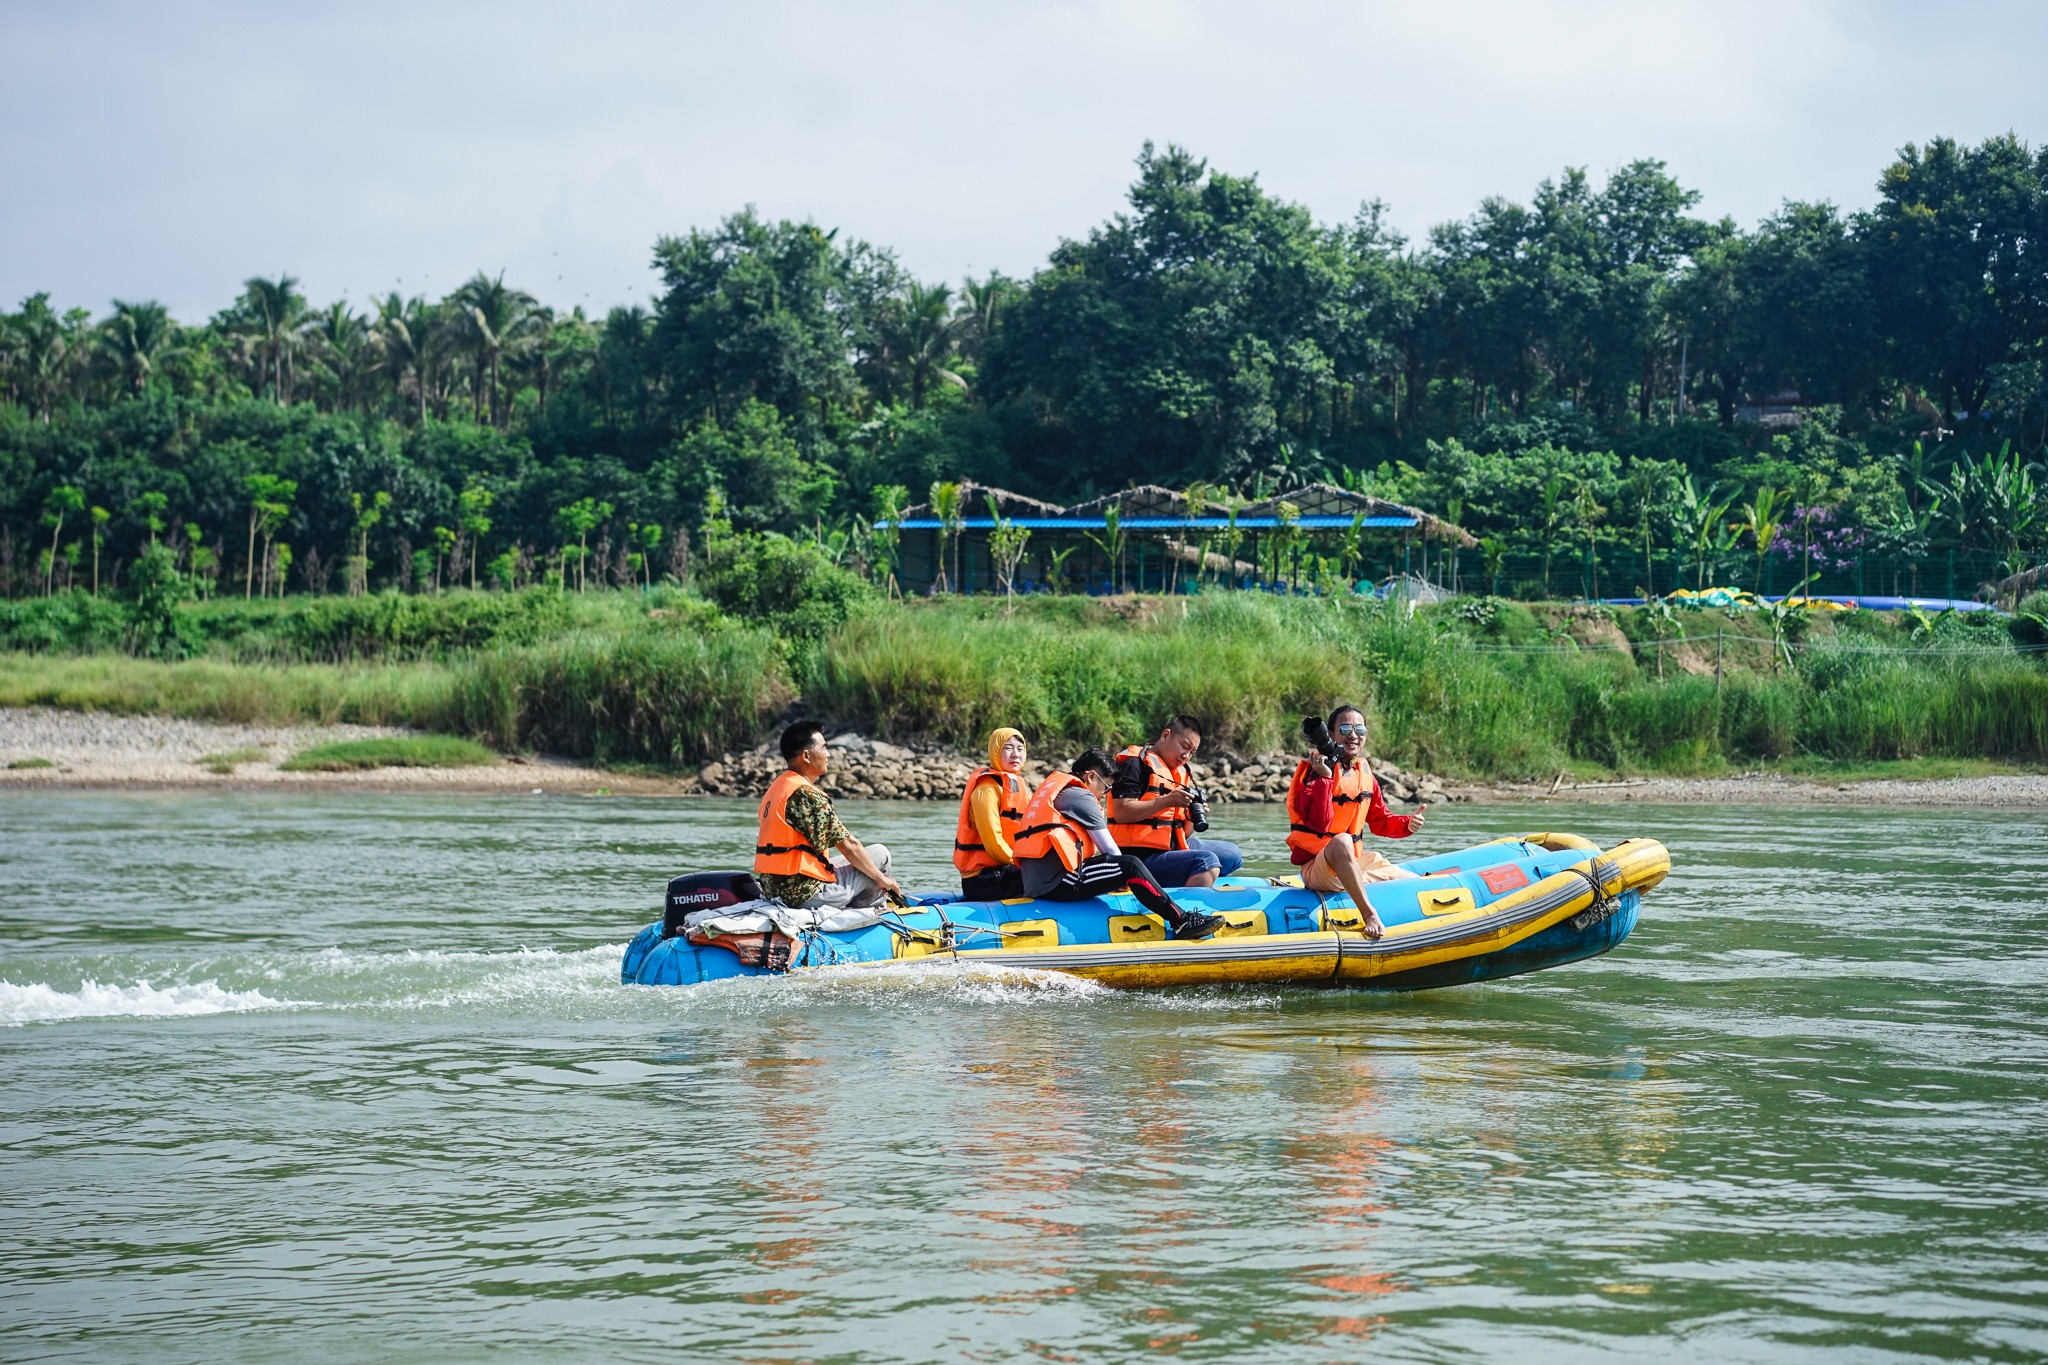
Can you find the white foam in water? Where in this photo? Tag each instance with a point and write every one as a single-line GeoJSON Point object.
{"type": "Point", "coordinates": [437, 977]}
{"type": "Point", "coordinates": [972, 982]}
{"type": "Point", "coordinates": [40, 1003]}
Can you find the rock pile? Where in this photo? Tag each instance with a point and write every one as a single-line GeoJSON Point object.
{"type": "Point", "coordinates": [870, 767]}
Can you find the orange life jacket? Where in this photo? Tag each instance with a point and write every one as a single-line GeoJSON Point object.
{"type": "Point", "coordinates": [1045, 829]}
{"type": "Point", "coordinates": [969, 854]}
{"type": "Point", "coordinates": [1167, 829]}
{"type": "Point", "coordinates": [780, 848]}
{"type": "Point", "coordinates": [1347, 807]}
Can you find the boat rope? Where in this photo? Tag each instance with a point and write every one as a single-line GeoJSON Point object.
{"type": "Point", "coordinates": [1603, 903]}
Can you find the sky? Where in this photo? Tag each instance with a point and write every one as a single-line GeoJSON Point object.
{"type": "Point", "coordinates": [171, 150]}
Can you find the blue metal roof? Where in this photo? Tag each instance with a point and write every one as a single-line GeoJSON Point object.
{"type": "Point", "coordinates": [1157, 523]}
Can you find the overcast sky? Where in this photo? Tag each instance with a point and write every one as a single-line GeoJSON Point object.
{"type": "Point", "coordinates": [170, 150]}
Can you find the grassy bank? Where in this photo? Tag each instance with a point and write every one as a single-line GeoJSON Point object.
{"type": "Point", "coordinates": [361, 755]}
{"type": "Point", "coordinates": [1467, 689]}
{"type": "Point", "coordinates": [653, 694]}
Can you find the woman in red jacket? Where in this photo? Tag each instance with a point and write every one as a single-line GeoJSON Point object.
{"type": "Point", "coordinates": [1329, 808]}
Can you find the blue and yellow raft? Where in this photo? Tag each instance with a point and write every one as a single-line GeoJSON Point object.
{"type": "Point", "coordinates": [1494, 910]}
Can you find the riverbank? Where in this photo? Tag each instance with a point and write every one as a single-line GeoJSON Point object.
{"type": "Point", "coordinates": [47, 748]}
{"type": "Point", "coordinates": [41, 747]}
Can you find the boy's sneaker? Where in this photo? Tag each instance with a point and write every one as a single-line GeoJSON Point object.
{"type": "Point", "coordinates": [1197, 924]}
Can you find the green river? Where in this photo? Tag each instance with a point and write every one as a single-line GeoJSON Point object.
{"type": "Point", "coordinates": [351, 1077]}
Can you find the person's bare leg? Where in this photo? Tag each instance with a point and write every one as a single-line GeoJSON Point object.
{"type": "Point", "coordinates": [1202, 879]}
{"type": "Point", "coordinates": [1340, 861]}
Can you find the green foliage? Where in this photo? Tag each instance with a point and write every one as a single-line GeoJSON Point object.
{"type": "Point", "coordinates": [1565, 372]}
{"type": "Point", "coordinates": [789, 586]}
{"type": "Point", "coordinates": [70, 622]}
{"type": "Point", "coordinates": [210, 689]}
{"type": "Point", "coordinates": [660, 696]}
{"type": "Point", "coordinates": [405, 751]}
{"type": "Point", "coordinates": [158, 587]}
{"type": "Point", "coordinates": [952, 671]}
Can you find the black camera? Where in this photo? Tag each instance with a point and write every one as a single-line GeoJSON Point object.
{"type": "Point", "coordinates": [1198, 809]}
{"type": "Point", "coordinates": [1318, 736]}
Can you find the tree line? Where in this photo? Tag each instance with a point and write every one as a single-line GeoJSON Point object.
{"type": "Point", "coordinates": [1597, 365]}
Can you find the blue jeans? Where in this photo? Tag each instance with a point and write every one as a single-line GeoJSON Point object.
{"type": "Point", "coordinates": [1174, 866]}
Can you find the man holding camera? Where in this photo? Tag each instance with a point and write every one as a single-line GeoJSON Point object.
{"type": "Point", "coordinates": [1156, 811]}
{"type": "Point", "coordinates": [1333, 799]}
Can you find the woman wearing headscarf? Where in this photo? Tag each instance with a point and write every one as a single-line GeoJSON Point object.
{"type": "Point", "coordinates": [984, 844]}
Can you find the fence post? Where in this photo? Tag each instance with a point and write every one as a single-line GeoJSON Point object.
{"type": "Point", "coordinates": [1717, 661]}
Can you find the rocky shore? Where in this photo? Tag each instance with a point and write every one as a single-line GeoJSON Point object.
{"type": "Point", "coordinates": [869, 767]}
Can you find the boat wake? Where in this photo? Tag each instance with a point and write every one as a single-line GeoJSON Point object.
{"type": "Point", "coordinates": [533, 981]}
{"type": "Point", "coordinates": [40, 1003]}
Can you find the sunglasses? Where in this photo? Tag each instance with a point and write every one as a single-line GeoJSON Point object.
{"type": "Point", "coordinates": [1351, 729]}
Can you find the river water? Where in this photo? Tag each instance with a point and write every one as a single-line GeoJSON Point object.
{"type": "Point", "coordinates": [352, 1078]}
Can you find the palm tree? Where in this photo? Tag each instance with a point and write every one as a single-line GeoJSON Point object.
{"type": "Point", "coordinates": [495, 315]}
{"type": "Point", "coordinates": [927, 343]}
{"type": "Point", "coordinates": [136, 338]}
{"type": "Point", "coordinates": [275, 309]}
{"type": "Point", "coordinates": [403, 332]}
{"type": "Point", "coordinates": [41, 353]}
{"type": "Point", "coordinates": [622, 360]}
{"type": "Point", "coordinates": [980, 313]}
{"type": "Point", "coordinates": [341, 340]}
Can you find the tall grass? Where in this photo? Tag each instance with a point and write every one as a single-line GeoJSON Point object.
{"type": "Point", "coordinates": [661, 697]}
{"type": "Point", "coordinates": [952, 672]}
{"type": "Point", "coordinates": [1251, 665]}
{"type": "Point", "coordinates": [683, 686]}
{"type": "Point", "coordinates": [204, 689]}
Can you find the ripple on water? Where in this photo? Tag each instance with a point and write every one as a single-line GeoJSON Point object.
{"type": "Point", "coordinates": [358, 1070]}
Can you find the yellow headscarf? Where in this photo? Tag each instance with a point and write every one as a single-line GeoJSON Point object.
{"type": "Point", "coordinates": [996, 742]}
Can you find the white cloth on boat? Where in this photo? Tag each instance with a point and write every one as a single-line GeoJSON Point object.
{"type": "Point", "coordinates": [758, 917]}
{"type": "Point", "coordinates": [852, 887]}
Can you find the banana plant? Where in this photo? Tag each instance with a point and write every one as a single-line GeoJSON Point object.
{"type": "Point", "coordinates": [1701, 517]}
{"type": "Point", "coordinates": [1759, 520]}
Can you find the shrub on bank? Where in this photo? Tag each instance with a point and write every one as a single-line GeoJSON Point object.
{"type": "Point", "coordinates": [69, 622]}
{"type": "Point", "coordinates": [653, 696]}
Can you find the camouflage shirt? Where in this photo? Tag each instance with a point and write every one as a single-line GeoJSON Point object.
{"type": "Point", "coordinates": [810, 812]}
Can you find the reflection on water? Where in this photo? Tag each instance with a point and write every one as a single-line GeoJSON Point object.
{"type": "Point", "coordinates": [356, 1070]}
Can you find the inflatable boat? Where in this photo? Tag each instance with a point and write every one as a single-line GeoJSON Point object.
{"type": "Point", "coordinates": [1495, 910]}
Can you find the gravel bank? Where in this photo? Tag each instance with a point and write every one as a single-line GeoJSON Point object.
{"type": "Point", "coordinates": [90, 749]}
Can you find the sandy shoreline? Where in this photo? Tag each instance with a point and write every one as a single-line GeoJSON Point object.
{"type": "Point", "coordinates": [96, 750]}
{"type": "Point", "coordinates": [93, 749]}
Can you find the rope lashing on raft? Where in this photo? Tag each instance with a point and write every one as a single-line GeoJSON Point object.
{"type": "Point", "coordinates": [1603, 904]}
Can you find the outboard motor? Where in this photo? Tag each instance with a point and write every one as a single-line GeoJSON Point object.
{"type": "Point", "coordinates": [695, 891]}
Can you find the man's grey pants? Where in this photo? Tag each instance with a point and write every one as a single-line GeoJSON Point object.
{"type": "Point", "coordinates": [852, 889]}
